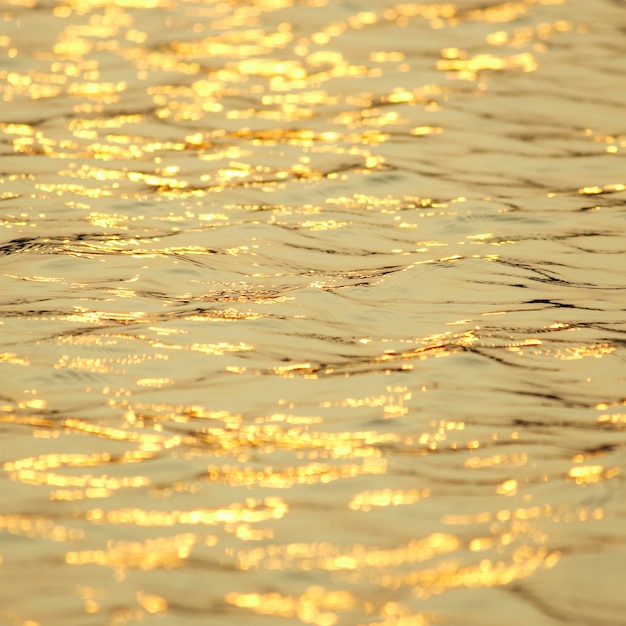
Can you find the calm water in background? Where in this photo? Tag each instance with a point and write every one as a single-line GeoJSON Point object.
{"type": "Point", "coordinates": [313, 312]}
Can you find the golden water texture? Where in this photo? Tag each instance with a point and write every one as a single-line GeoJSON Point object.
{"type": "Point", "coordinates": [313, 312]}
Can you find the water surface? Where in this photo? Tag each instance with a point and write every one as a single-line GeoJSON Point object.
{"type": "Point", "coordinates": [312, 312]}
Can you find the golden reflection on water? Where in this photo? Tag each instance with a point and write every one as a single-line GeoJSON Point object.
{"type": "Point", "coordinates": [260, 357]}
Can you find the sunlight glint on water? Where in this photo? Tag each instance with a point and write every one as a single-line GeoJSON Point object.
{"type": "Point", "coordinates": [312, 312]}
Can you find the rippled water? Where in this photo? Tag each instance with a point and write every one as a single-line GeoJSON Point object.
{"type": "Point", "coordinates": [313, 312]}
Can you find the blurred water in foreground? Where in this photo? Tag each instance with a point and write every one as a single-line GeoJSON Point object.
{"type": "Point", "coordinates": [313, 312]}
